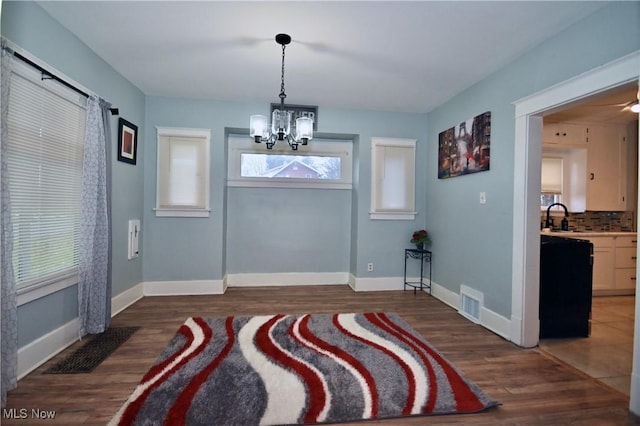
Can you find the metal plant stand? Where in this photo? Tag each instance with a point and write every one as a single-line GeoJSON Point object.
{"type": "Point", "coordinates": [425, 257]}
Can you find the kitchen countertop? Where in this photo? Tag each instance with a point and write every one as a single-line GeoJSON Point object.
{"type": "Point", "coordinates": [580, 234]}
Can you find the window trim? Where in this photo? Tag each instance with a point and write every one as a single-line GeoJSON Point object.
{"type": "Point", "coordinates": [243, 144]}
{"type": "Point", "coordinates": [377, 213]}
{"type": "Point", "coordinates": [180, 211]}
{"type": "Point", "coordinates": [44, 287]}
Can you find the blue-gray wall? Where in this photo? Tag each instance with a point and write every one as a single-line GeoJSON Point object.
{"type": "Point", "coordinates": [342, 238]}
{"type": "Point", "coordinates": [28, 26]}
{"type": "Point", "coordinates": [273, 230]}
{"type": "Point", "coordinates": [473, 242]}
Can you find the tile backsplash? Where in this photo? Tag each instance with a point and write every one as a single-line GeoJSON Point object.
{"type": "Point", "coordinates": [596, 221]}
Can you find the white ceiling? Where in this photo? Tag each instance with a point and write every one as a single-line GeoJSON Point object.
{"type": "Point", "coordinates": [380, 55]}
{"type": "Point", "coordinates": [611, 107]}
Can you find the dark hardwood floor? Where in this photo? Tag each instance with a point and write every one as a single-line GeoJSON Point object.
{"type": "Point", "coordinates": [534, 389]}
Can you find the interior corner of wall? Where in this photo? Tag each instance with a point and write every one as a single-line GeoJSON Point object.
{"type": "Point", "coordinates": [127, 298]}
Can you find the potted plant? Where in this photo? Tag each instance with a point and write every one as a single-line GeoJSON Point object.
{"type": "Point", "coordinates": [420, 238]}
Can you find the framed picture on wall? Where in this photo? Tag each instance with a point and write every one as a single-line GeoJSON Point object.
{"type": "Point", "coordinates": [466, 148]}
{"type": "Point", "coordinates": [127, 141]}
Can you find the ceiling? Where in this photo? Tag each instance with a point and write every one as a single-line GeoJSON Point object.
{"type": "Point", "coordinates": [611, 107]}
{"type": "Point", "coordinates": [379, 55]}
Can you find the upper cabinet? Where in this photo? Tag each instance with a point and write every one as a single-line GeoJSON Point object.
{"type": "Point", "coordinates": [565, 135]}
{"type": "Point", "coordinates": [599, 167]}
{"type": "Point", "coordinates": [606, 168]}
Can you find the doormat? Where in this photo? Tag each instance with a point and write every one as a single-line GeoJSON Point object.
{"type": "Point", "coordinates": [86, 358]}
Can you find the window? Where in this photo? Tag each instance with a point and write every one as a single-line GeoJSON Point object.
{"type": "Point", "coordinates": [321, 164]}
{"type": "Point", "coordinates": [551, 182]}
{"type": "Point", "coordinates": [393, 179]}
{"type": "Point", "coordinates": [183, 172]}
{"type": "Point", "coordinates": [46, 125]}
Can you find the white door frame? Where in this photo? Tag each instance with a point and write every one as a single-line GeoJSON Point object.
{"type": "Point", "coordinates": [525, 324]}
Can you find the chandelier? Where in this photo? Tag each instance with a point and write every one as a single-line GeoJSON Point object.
{"type": "Point", "coordinates": [280, 128]}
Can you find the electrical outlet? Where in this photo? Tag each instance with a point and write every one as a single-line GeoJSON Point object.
{"type": "Point", "coordinates": [369, 266]}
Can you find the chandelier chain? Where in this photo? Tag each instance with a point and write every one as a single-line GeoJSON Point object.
{"type": "Point", "coordinates": [282, 94]}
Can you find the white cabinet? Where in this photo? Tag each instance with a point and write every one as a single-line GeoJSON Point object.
{"type": "Point", "coordinates": [626, 263]}
{"type": "Point", "coordinates": [614, 264]}
{"type": "Point", "coordinates": [606, 168]}
{"type": "Point", "coordinates": [599, 172]}
{"type": "Point", "coordinates": [563, 135]}
{"type": "Point", "coordinates": [603, 263]}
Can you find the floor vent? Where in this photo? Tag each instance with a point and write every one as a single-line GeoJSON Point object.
{"type": "Point", "coordinates": [471, 302]}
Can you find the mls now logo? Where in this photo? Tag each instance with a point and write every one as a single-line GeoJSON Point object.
{"type": "Point", "coordinates": [23, 413]}
{"type": "Point", "coordinates": [15, 413]}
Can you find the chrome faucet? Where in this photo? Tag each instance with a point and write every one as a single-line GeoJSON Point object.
{"type": "Point", "coordinates": [565, 223]}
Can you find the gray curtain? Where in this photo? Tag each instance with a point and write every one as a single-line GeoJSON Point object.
{"type": "Point", "coordinates": [94, 287]}
{"type": "Point", "coordinates": [9, 335]}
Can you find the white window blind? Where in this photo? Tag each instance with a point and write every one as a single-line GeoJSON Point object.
{"type": "Point", "coordinates": [183, 172]}
{"type": "Point", "coordinates": [46, 132]}
{"type": "Point", "coordinates": [393, 178]}
{"type": "Point", "coordinates": [551, 171]}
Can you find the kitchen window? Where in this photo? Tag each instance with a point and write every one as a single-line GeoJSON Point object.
{"type": "Point", "coordinates": [552, 182]}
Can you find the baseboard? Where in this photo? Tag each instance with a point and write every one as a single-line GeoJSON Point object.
{"type": "Point", "coordinates": [496, 323]}
{"type": "Point", "coordinates": [41, 350]}
{"type": "Point", "coordinates": [36, 353]}
{"type": "Point", "coordinates": [125, 299]}
{"type": "Point", "coordinates": [445, 295]}
{"type": "Point", "coordinates": [183, 288]}
{"type": "Point", "coordinates": [488, 318]}
{"type": "Point", "coordinates": [376, 283]}
{"type": "Point", "coordinates": [287, 279]}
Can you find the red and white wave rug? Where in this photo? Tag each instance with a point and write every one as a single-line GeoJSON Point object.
{"type": "Point", "coordinates": [286, 369]}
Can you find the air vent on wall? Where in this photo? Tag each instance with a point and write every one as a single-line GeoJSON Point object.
{"type": "Point", "coordinates": [471, 302]}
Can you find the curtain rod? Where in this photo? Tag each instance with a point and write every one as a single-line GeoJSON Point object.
{"type": "Point", "coordinates": [114, 111]}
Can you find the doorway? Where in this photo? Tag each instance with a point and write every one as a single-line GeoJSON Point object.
{"type": "Point", "coordinates": [607, 354]}
{"type": "Point", "coordinates": [526, 211]}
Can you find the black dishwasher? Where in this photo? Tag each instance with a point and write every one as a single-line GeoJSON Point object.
{"type": "Point", "coordinates": [566, 271]}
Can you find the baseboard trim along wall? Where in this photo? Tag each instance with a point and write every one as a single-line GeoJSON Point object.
{"type": "Point", "coordinates": [183, 288]}
{"type": "Point", "coordinates": [488, 318]}
{"type": "Point", "coordinates": [376, 283]}
{"type": "Point", "coordinates": [287, 279]}
{"type": "Point", "coordinates": [127, 298]}
{"type": "Point", "coordinates": [41, 350]}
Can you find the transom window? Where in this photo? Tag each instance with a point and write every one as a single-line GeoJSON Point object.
{"type": "Point", "coordinates": [321, 164]}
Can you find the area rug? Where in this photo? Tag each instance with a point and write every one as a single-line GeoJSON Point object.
{"type": "Point", "coordinates": [90, 355]}
{"type": "Point", "coordinates": [306, 369]}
